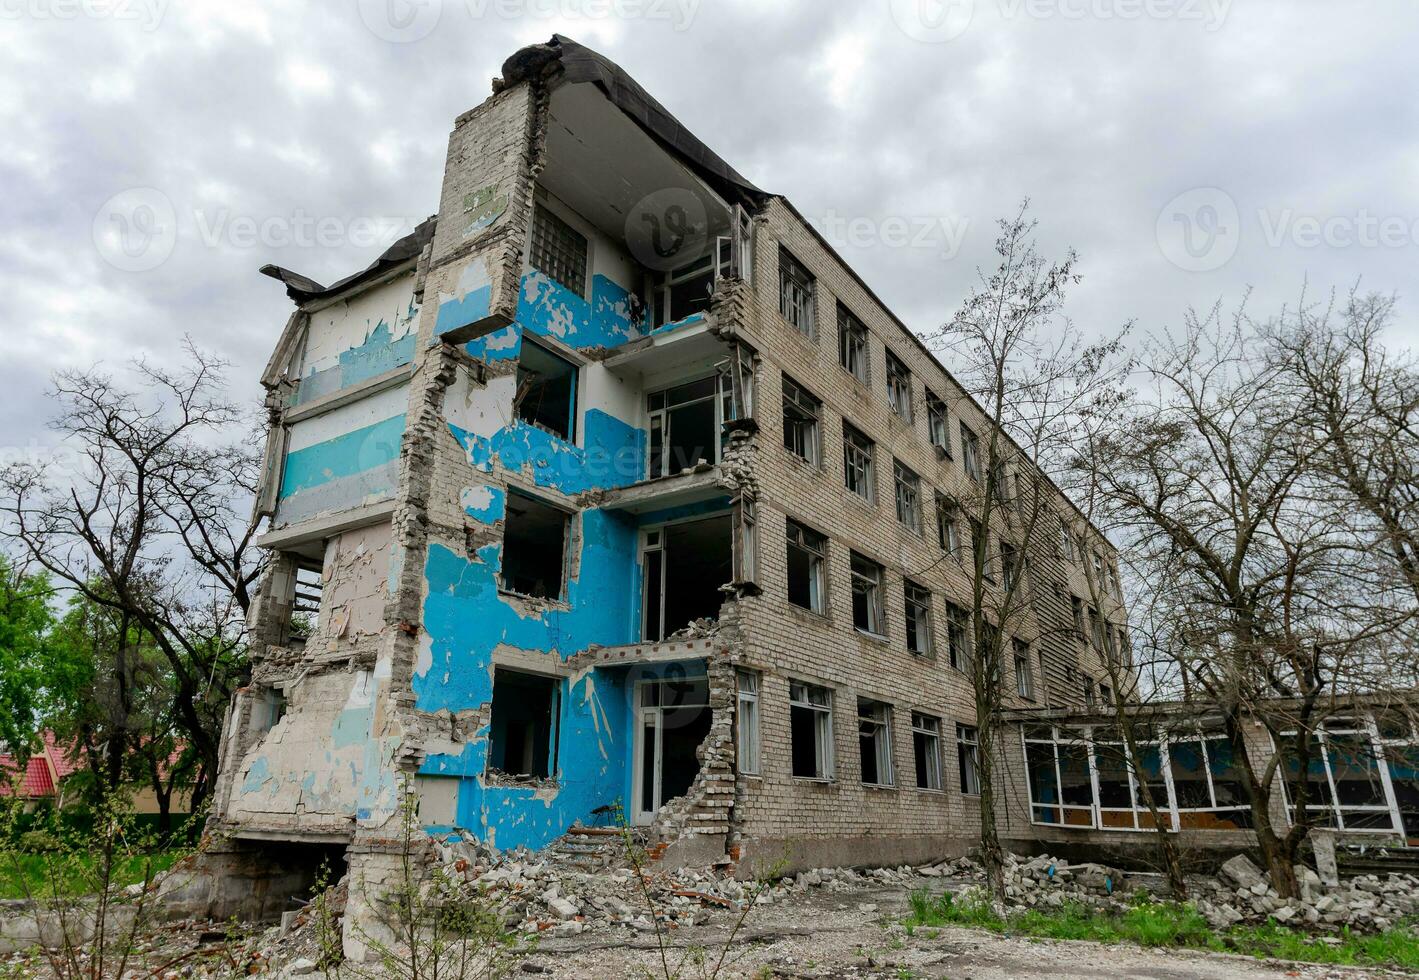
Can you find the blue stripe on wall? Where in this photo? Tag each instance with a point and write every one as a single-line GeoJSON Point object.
{"type": "Point", "coordinates": [354, 452]}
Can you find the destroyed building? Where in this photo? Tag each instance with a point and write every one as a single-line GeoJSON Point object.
{"type": "Point", "coordinates": [613, 491]}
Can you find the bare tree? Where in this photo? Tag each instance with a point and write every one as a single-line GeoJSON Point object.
{"type": "Point", "coordinates": [150, 524]}
{"type": "Point", "coordinates": [1263, 596]}
{"type": "Point", "coordinates": [1033, 377]}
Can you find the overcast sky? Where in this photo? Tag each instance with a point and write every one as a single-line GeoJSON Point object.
{"type": "Point", "coordinates": [154, 154]}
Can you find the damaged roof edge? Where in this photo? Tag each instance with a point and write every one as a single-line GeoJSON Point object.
{"type": "Point", "coordinates": [303, 289]}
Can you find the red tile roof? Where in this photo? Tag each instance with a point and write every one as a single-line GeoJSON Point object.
{"type": "Point", "coordinates": [47, 768]}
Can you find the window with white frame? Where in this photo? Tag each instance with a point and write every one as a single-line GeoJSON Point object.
{"type": "Point", "coordinates": [958, 637]}
{"type": "Point", "coordinates": [937, 422]}
{"type": "Point", "coordinates": [968, 759]}
{"type": "Point", "coordinates": [874, 739]}
{"type": "Point", "coordinates": [918, 610]}
{"type": "Point", "coordinates": [970, 453]}
{"type": "Point", "coordinates": [1066, 541]}
{"type": "Point", "coordinates": [1207, 782]}
{"type": "Point", "coordinates": [558, 250]}
{"type": "Point", "coordinates": [807, 553]}
{"type": "Point", "coordinates": [802, 422]}
{"type": "Point", "coordinates": [810, 709]}
{"type": "Point", "coordinates": [868, 614]}
{"type": "Point", "coordinates": [908, 495]}
{"type": "Point", "coordinates": [1121, 796]}
{"type": "Point", "coordinates": [795, 292]}
{"type": "Point", "coordinates": [1057, 769]}
{"type": "Point", "coordinates": [686, 424]}
{"type": "Point", "coordinates": [852, 344]}
{"type": "Point", "coordinates": [1024, 674]}
{"type": "Point", "coordinates": [1343, 779]}
{"type": "Point", "coordinates": [948, 534]}
{"type": "Point", "coordinates": [899, 387]}
{"type": "Point", "coordinates": [857, 463]}
{"type": "Point", "coordinates": [926, 747]}
{"type": "Point", "coordinates": [747, 719]}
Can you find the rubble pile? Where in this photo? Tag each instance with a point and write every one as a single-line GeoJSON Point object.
{"type": "Point", "coordinates": [1242, 892]}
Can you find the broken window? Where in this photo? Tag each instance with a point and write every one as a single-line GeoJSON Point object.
{"type": "Point", "coordinates": [534, 547]}
{"type": "Point", "coordinates": [1009, 565]}
{"type": "Point", "coordinates": [857, 463]}
{"type": "Point", "coordinates": [546, 390]}
{"type": "Point", "coordinates": [795, 292]}
{"type": "Point", "coordinates": [958, 637]}
{"type": "Point", "coordinates": [1066, 542]}
{"type": "Point", "coordinates": [685, 566]}
{"type": "Point", "coordinates": [746, 558]}
{"type": "Point", "coordinates": [747, 719]}
{"type": "Point", "coordinates": [936, 422]}
{"type": "Point", "coordinates": [807, 551]}
{"type": "Point", "coordinates": [306, 590]}
{"type": "Point", "coordinates": [802, 415]}
{"type": "Point", "coordinates": [947, 533]}
{"type": "Point", "coordinates": [874, 739]}
{"type": "Point", "coordinates": [908, 495]}
{"type": "Point", "coordinates": [686, 291]}
{"type": "Point", "coordinates": [899, 387]}
{"type": "Point", "coordinates": [1057, 768]}
{"type": "Point", "coordinates": [926, 746]}
{"type": "Point", "coordinates": [811, 729]}
{"type": "Point", "coordinates": [1024, 678]}
{"type": "Point", "coordinates": [852, 344]}
{"type": "Point", "coordinates": [522, 734]}
{"type": "Point", "coordinates": [559, 250]}
{"type": "Point", "coordinates": [970, 453]}
{"type": "Point", "coordinates": [1088, 691]}
{"type": "Point", "coordinates": [685, 424]}
{"type": "Point", "coordinates": [867, 611]}
{"type": "Point", "coordinates": [1345, 787]}
{"type": "Point", "coordinates": [1207, 785]}
{"type": "Point", "coordinates": [1120, 797]}
{"type": "Point", "coordinates": [968, 759]}
{"type": "Point", "coordinates": [980, 547]}
{"type": "Point", "coordinates": [1076, 608]}
{"type": "Point", "coordinates": [918, 610]}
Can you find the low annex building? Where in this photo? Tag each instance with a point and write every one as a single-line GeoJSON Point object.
{"type": "Point", "coordinates": [612, 490]}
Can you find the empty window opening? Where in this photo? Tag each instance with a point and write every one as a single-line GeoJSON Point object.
{"type": "Point", "coordinates": [811, 730]}
{"type": "Point", "coordinates": [926, 746]}
{"type": "Point", "coordinates": [899, 387]}
{"type": "Point", "coordinates": [948, 534]}
{"type": "Point", "coordinates": [867, 609]}
{"type": "Point", "coordinates": [908, 495]}
{"type": "Point", "coordinates": [874, 738]}
{"type": "Point", "coordinates": [936, 422]}
{"type": "Point", "coordinates": [958, 637]}
{"type": "Point", "coordinates": [746, 720]}
{"type": "Point", "coordinates": [546, 390]}
{"type": "Point", "coordinates": [559, 250]}
{"type": "Point", "coordinates": [795, 293]}
{"type": "Point", "coordinates": [674, 718]}
{"type": "Point", "coordinates": [970, 453]}
{"type": "Point", "coordinates": [802, 417]}
{"type": "Point", "coordinates": [685, 567]}
{"type": "Point", "coordinates": [852, 344]}
{"type": "Point", "coordinates": [686, 423]}
{"type": "Point", "coordinates": [1024, 678]}
{"type": "Point", "coordinates": [918, 611]}
{"type": "Point", "coordinates": [534, 547]}
{"type": "Point", "coordinates": [687, 290]}
{"type": "Point", "coordinates": [522, 738]}
{"type": "Point", "coordinates": [305, 602]}
{"type": "Point", "coordinates": [857, 463]}
{"type": "Point", "coordinates": [968, 759]}
{"type": "Point", "coordinates": [807, 550]}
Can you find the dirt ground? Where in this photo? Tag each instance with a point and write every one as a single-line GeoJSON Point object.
{"type": "Point", "coordinates": [854, 935]}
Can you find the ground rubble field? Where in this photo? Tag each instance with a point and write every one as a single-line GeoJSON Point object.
{"type": "Point", "coordinates": [825, 923]}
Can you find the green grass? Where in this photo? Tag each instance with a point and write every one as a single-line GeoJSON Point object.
{"type": "Point", "coordinates": [1166, 924]}
{"type": "Point", "coordinates": [31, 875]}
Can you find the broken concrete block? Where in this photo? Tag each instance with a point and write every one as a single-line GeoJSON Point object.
{"type": "Point", "coordinates": [1243, 872]}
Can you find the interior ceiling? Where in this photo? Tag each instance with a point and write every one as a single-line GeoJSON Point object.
{"type": "Point", "coordinates": [601, 163]}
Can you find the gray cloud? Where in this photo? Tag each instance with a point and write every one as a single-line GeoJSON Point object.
{"type": "Point", "coordinates": [282, 115]}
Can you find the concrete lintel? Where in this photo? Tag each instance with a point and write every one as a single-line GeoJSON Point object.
{"type": "Point", "coordinates": [371, 386]}
{"type": "Point", "coordinates": [318, 530]}
{"type": "Point", "coordinates": [659, 652]}
{"type": "Point", "coordinates": [472, 331]}
{"type": "Point", "coordinates": [679, 344]}
{"type": "Point", "coordinates": [688, 487]}
{"type": "Point", "coordinates": [294, 834]}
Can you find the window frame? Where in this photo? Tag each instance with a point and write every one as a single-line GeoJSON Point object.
{"type": "Point", "coordinates": [850, 326]}
{"type": "Point", "coordinates": [748, 730]}
{"type": "Point", "coordinates": [948, 529]}
{"type": "Point", "coordinates": [906, 493]}
{"type": "Point", "coordinates": [938, 422]}
{"type": "Point", "coordinates": [809, 425]}
{"type": "Point", "coordinates": [926, 728]}
{"type": "Point", "coordinates": [880, 721]}
{"type": "Point", "coordinates": [968, 758]}
{"type": "Point", "coordinates": [916, 605]}
{"type": "Point", "coordinates": [872, 586]}
{"type": "Point", "coordinates": [899, 386]}
{"type": "Point", "coordinates": [859, 459]}
{"type": "Point", "coordinates": [798, 310]}
{"type": "Point", "coordinates": [960, 652]}
{"type": "Point", "coordinates": [1024, 680]}
{"type": "Point", "coordinates": [970, 453]}
{"type": "Point", "coordinates": [822, 726]}
{"type": "Point", "coordinates": [555, 223]}
{"type": "Point", "coordinates": [817, 554]}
